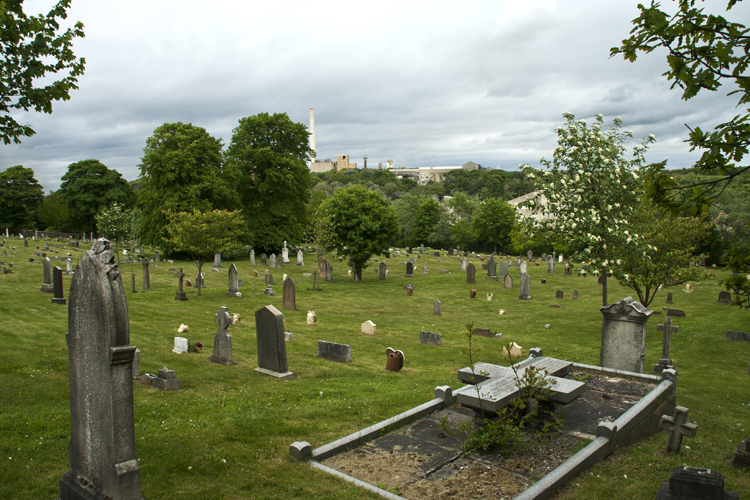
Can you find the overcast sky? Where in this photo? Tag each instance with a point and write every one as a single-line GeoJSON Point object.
{"type": "Point", "coordinates": [426, 83]}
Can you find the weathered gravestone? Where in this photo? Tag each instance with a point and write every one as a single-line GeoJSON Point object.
{"type": "Point", "coordinates": [300, 258]}
{"type": "Point", "coordinates": [157, 258]}
{"type": "Point", "coordinates": [559, 294]}
{"type": "Point", "coordinates": [268, 278]}
{"type": "Point", "coordinates": [47, 286]}
{"type": "Point", "coordinates": [341, 353]}
{"type": "Point", "coordinates": [252, 257]}
{"type": "Point", "coordinates": [678, 426]}
{"type": "Point", "coordinates": [57, 285]}
{"type": "Point", "coordinates": [68, 267]}
{"type": "Point", "coordinates": [669, 298]}
{"type": "Point", "coordinates": [551, 265]}
{"type": "Point", "coordinates": [166, 380]}
{"type": "Point", "coordinates": [430, 338]}
{"type": "Point", "coordinates": [525, 287]}
{"type": "Point", "coordinates": [568, 270]}
{"type": "Point", "coordinates": [234, 282]}
{"type": "Point", "coordinates": [180, 292]}
{"type": "Point", "coordinates": [524, 267]}
{"type": "Point", "coordinates": [394, 360]}
{"type": "Point", "coordinates": [677, 313]}
{"type": "Point", "coordinates": [329, 273]}
{"type": "Point", "coordinates": [732, 335]}
{"type": "Point", "coordinates": [508, 281]}
{"type": "Point", "coordinates": [382, 268]}
{"type": "Point", "coordinates": [529, 255]}
{"type": "Point", "coordinates": [471, 274]}
{"type": "Point", "coordinates": [692, 483]}
{"type": "Point", "coordinates": [272, 261]}
{"type": "Point", "coordinates": [280, 261]}
{"type": "Point", "coordinates": [289, 294]}
{"type": "Point", "coordinates": [410, 269]}
{"type": "Point", "coordinates": [492, 267]}
{"type": "Point", "coordinates": [575, 294]}
{"type": "Point", "coordinates": [741, 457]}
{"type": "Point", "coordinates": [102, 443]}
{"type": "Point", "coordinates": [368, 328]}
{"type": "Point", "coordinates": [665, 362]}
{"type": "Point", "coordinates": [624, 335]}
{"type": "Point", "coordinates": [724, 297]}
{"type": "Point", "coordinates": [269, 325]}
{"type": "Point", "coordinates": [137, 364]}
{"type": "Point", "coordinates": [464, 263]}
{"type": "Point", "coordinates": [424, 269]}
{"type": "Point", "coordinates": [222, 339]}
{"type": "Point", "coordinates": [503, 271]}
{"type": "Point", "coordinates": [263, 259]}
{"type": "Point", "coordinates": [284, 257]}
{"type": "Point", "coordinates": [217, 260]}
{"type": "Point", "coordinates": [146, 275]}
{"type": "Point", "coordinates": [436, 308]}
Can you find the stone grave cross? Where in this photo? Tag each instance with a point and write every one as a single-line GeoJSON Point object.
{"type": "Point", "coordinates": [668, 329]}
{"type": "Point", "coordinates": [180, 292]}
{"type": "Point", "coordinates": [678, 427]}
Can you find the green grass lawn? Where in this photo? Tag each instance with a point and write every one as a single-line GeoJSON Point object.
{"type": "Point", "coordinates": [226, 434]}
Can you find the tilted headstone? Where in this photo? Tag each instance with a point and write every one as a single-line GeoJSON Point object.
{"type": "Point", "coordinates": [624, 335]}
{"type": "Point", "coordinates": [678, 426]}
{"type": "Point", "coordinates": [234, 282]}
{"type": "Point", "coordinates": [525, 287]}
{"type": "Point", "coordinates": [47, 286]}
{"type": "Point", "coordinates": [410, 269]}
{"type": "Point", "coordinates": [269, 325]}
{"type": "Point", "coordinates": [57, 285]}
{"type": "Point", "coordinates": [252, 257]}
{"type": "Point", "coordinates": [471, 274]}
{"type": "Point", "coordinates": [289, 293]}
{"type": "Point", "coordinates": [430, 338]}
{"type": "Point", "coordinates": [300, 258]}
{"type": "Point", "coordinates": [146, 275]}
{"type": "Point", "coordinates": [341, 353]}
{"type": "Point", "coordinates": [222, 339]}
{"type": "Point", "coordinates": [217, 260]}
{"type": "Point", "coordinates": [102, 442]}
{"type": "Point", "coordinates": [692, 483]}
{"type": "Point", "coordinates": [724, 297]}
{"type": "Point", "coordinates": [436, 308]}
{"type": "Point", "coordinates": [382, 271]}
{"type": "Point", "coordinates": [181, 292]}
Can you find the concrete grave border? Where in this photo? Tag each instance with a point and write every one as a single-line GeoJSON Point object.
{"type": "Point", "coordinates": [640, 420]}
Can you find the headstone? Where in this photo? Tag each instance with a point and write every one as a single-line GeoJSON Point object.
{"type": "Point", "coordinates": [146, 275]}
{"type": "Point", "coordinates": [560, 258]}
{"type": "Point", "coordinates": [529, 254]}
{"type": "Point", "coordinates": [741, 457]}
{"type": "Point", "coordinates": [180, 292]}
{"type": "Point", "coordinates": [665, 362]}
{"type": "Point", "coordinates": [166, 380]}
{"type": "Point", "coordinates": [525, 287]}
{"type": "Point", "coordinates": [559, 294]}
{"type": "Point", "coordinates": [284, 258]}
{"type": "Point", "coordinates": [300, 258]}
{"type": "Point", "coordinates": [329, 273]}
{"type": "Point", "coordinates": [57, 278]}
{"type": "Point", "coordinates": [382, 268]}
{"type": "Point", "coordinates": [137, 364]}
{"type": "Point", "coordinates": [410, 269]}
{"type": "Point", "coordinates": [252, 257]}
{"type": "Point", "coordinates": [568, 269]}
{"type": "Point", "coordinates": [217, 260]}
{"type": "Point", "coordinates": [472, 293]}
{"type": "Point", "coordinates": [430, 338]}
{"type": "Point", "coordinates": [102, 442]}
{"type": "Point", "coordinates": [234, 283]}
{"type": "Point", "coordinates": [273, 261]}
{"type": "Point", "coordinates": [263, 259]}
{"type": "Point", "coordinates": [503, 271]}
{"type": "Point", "coordinates": [518, 262]}
{"type": "Point", "coordinates": [368, 328]}
{"type": "Point", "coordinates": [311, 318]}
{"type": "Point", "coordinates": [471, 274]}
{"type": "Point", "coordinates": [180, 343]}
{"type": "Point", "coordinates": [26, 242]}
{"type": "Point", "coordinates": [222, 339]}
{"type": "Point", "coordinates": [669, 298]}
{"type": "Point", "coordinates": [290, 298]}
{"type": "Point", "coordinates": [551, 265]}
{"type": "Point", "coordinates": [731, 335]}
{"type": "Point", "coordinates": [724, 297]}
{"type": "Point", "coordinates": [677, 313]}
{"type": "Point", "coordinates": [436, 308]}
{"type": "Point", "coordinates": [484, 332]}
{"type": "Point", "coordinates": [341, 353]}
{"type": "Point", "coordinates": [322, 268]}
{"type": "Point", "coordinates": [491, 267]}
{"type": "Point", "coordinates": [47, 286]}
{"type": "Point", "coordinates": [516, 351]}
{"type": "Point", "coordinates": [575, 294]}
{"type": "Point", "coordinates": [269, 326]}
{"type": "Point", "coordinates": [678, 426]}
{"type": "Point", "coordinates": [269, 291]}
{"type": "Point", "coordinates": [624, 335]}
{"type": "Point", "coordinates": [508, 282]}
{"type": "Point", "coordinates": [464, 263]}
{"type": "Point", "coordinates": [691, 483]}
{"type": "Point", "coordinates": [394, 361]}
{"type": "Point", "coordinates": [157, 258]}
{"type": "Point", "coordinates": [268, 278]}
{"type": "Point", "coordinates": [280, 261]}
{"type": "Point", "coordinates": [424, 269]}
{"type": "Point", "coordinates": [544, 256]}
{"type": "Point", "coordinates": [524, 267]}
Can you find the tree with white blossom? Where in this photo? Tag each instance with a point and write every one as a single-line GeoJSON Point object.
{"type": "Point", "coordinates": [591, 189]}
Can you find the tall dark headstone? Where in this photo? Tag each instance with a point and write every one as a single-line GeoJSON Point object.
{"type": "Point", "coordinates": [471, 272]}
{"type": "Point", "coordinates": [409, 269]}
{"type": "Point", "coordinates": [491, 267]}
{"type": "Point", "coordinates": [263, 259]}
{"type": "Point", "coordinates": [223, 340]}
{"type": "Point", "coordinates": [525, 287]}
{"type": "Point", "coordinates": [57, 279]}
{"type": "Point", "coordinates": [269, 326]}
{"type": "Point", "coordinates": [47, 286]}
{"type": "Point", "coordinates": [329, 273]}
{"type": "Point", "coordinates": [383, 268]}
{"type": "Point", "coordinates": [290, 299]}
{"type": "Point", "coordinates": [102, 444]}
{"type": "Point", "coordinates": [234, 282]}
{"type": "Point", "coordinates": [146, 275]}
{"type": "Point", "coordinates": [180, 292]}
{"type": "Point", "coordinates": [692, 483]}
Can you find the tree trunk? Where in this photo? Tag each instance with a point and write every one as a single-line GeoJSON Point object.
{"type": "Point", "coordinates": [604, 285]}
{"type": "Point", "coordinates": [357, 271]}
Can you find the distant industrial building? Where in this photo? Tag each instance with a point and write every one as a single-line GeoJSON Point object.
{"type": "Point", "coordinates": [341, 163]}
{"type": "Point", "coordinates": [525, 211]}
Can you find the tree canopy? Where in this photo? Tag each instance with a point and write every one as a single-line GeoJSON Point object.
{"type": "Point", "coordinates": [362, 224]}
{"type": "Point", "coordinates": [269, 153]}
{"type": "Point", "coordinates": [33, 49]}
{"type": "Point", "coordinates": [704, 52]}
{"type": "Point", "coordinates": [493, 222]}
{"type": "Point", "coordinates": [20, 197]}
{"type": "Point", "coordinates": [88, 186]}
{"type": "Point", "coordinates": [182, 171]}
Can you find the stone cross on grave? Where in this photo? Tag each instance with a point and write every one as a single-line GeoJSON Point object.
{"type": "Point", "coordinates": [180, 292]}
{"type": "Point", "coordinates": [668, 329]}
{"type": "Point", "coordinates": [678, 427]}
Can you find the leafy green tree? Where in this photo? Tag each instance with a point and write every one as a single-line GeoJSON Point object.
{"type": "Point", "coordinates": [704, 52]}
{"type": "Point", "coordinates": [182, 171]}
{"type": "Point", "coordinates": [591, 188]}
{"type": "Point", "coordinates": [33, 49]}
{"type": "Point", "coordinates": [405, 208]}
{"type": "Point", "coordinates": [424, 220]}
{"type": "Point", "coordinates": [363, 224]}
{"type": "Point", "coordinates": [270, 153]}
{"type": "Point", "coordinates": [462, 208]}
{"type": "Point", "coordinates": [114, 223]}
{"type": "Point", "coordinates": [88, 186]}
{"type": "Point", "coordinates": [737, 259]}
{"type": "Point", "coordinates": [204, 234]}
{"type": "Point", "coordinates": [20, 197]}
{"type": "Point", "coordinates": [493, 222]}
{"type": "Point", "coordinates": [665, 255]}
{"type": "Point", "coordinates": [53, 212]}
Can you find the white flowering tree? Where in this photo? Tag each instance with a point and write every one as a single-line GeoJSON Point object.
{"type": "Point", "coordinates": [591, 189]}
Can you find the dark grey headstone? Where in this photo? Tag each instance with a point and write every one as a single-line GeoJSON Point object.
{"type": "Point", "coordinates": [57, 278]}
{"type": "Point", "coordinates": [471, 274]}
{"type": "Point", "coordinates": [409, 269]}
{"type": "Point", "coordinates": [525, 287]}
{"type": "Point", "coordinates": [269, 326]}
{"type": "Point", "coordinates": [222, 339]}
{"type": "Point", "coordinates": [436, 308]}
{"type": "Point", "coordinates": [335, 352]}
{"type": "Point", "coordinates": [738, 336]}
{"type": "Point", "coordinates": [692, 483]}
{"type": "Point", "coordinates": [559, 294]}
{"type": "Point", "coordinates": [724, 297]}
{"type": "Point", "coordinates": [234, 282]}
{"type": "Point", "coordinates": [289, 295]}
{"type": "Point", "coordinates": [146, 275]}
{"type": "Point", "coordinates": [430, 338]}
{"type": "Point", "coordinates": [382, 268]}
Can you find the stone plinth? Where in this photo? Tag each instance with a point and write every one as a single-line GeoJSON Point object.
{"type": "Point", "coordinates": [624, 335]}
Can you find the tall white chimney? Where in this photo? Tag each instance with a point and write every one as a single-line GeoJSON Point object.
{"type": "Point", "coordinates": [312, 135]}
